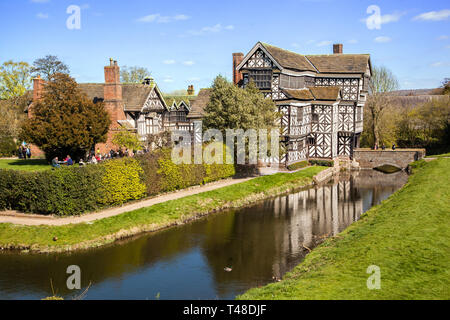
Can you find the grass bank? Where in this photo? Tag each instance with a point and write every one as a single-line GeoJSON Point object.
{"type": "Point", "coordinates": [407, 236]}
{"type": "Point", "coordinates": [156, 217]}
{"type": "Point", "coordinates": [25, 165]}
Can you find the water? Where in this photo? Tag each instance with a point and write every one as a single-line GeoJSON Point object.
{"type": "Point", "coordinates": [187, 262]}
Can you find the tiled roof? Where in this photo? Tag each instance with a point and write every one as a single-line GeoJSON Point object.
{"type": "Point", "coordinates": [199, 104]}
{"type": "Point", "coordinates": [328, 63]}
{"type": "Point", "coordinates": [340, 63]}
{"type": "Point", "coordinates": [313, 93]}
{"type": "Point", "coordinates": [288, 59]}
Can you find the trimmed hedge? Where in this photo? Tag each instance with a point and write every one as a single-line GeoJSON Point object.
{"type": "Point", "coordinates": [322, 163]}
{"type": "Point", "coordinates": [298, 165]}
{"type": "Point", "coordinates": [76, 190]}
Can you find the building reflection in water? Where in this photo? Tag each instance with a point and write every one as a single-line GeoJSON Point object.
{"type": "Point", "coordinates": [187, 262]}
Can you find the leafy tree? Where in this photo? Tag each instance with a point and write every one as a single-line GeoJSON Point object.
{"type": "Point", "coordinates": [48, 66]}
{"type": "Point", "coordinates": [231, 107]}
{"type": "Point", "coordinates": [127, 139]}
{"type": "Point", "coordinates": [65, 121]}
{"type": "Point", "coordinates": [382, 82]}
{"type": "Point", "coordinates": [133, 74]}
{"type": "Point", "coordinates": [15, 79]}
{"type": "Point", "coordinates": [12, 116]}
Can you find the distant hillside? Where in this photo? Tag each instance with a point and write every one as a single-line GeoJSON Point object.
{"type": "Point", "coordinates": [416, 92]}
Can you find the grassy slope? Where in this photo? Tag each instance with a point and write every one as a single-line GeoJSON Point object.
{"type": "Point", "coordinates": [407, 236]}
{"type": "Point", "coordinates": [24, 165]}
{"type": "Point", "coordinates": [72, 237]}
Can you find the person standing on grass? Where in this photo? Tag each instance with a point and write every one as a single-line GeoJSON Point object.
{"type": "Point", "coordinates": [20, 154]}
{"type": "Point", "coordinates": [24, 152]}
{"type": "Point", "coordinates": [28, 152]}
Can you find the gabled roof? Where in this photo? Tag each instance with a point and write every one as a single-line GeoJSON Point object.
{"type": "Point", "coordinates": [199, 104]}
{"type": "Point", "coordinates": [179, 101]}
{"type": "Point", "coordinates": [313, 94]}
{"type": "Point", "coordinates": [288, 59]}
{"type": "Point", "coordinates": [330, 63]}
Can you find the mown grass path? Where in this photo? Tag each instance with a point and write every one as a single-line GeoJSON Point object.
{"type": "Point", "coordinates": [407, 236]}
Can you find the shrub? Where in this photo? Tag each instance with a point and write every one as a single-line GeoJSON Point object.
{"type": "Point", "coordinates": [298, 165]}
{"type": "Point", "coordinates": [67, 191]}
{"type": "Point", "coordinates": [122, 181]}
{"type": "Point", "coordinates": [8, 147]}
{"type": "Point", "coordinates": [323, 163]}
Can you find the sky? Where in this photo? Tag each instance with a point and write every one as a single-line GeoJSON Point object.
{"type": "Point", "coordinates": [191, 42]}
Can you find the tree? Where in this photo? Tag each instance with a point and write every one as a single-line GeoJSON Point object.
{"type": "Point", "coordinates": [231, 107]}
{"type": "Point", "coordinates": [65, 121]}
{"type": "Point", "coordinates": [127, 139]}
{"type": "Point", "coordinates": [48, 66]}
{"type": "Point", "coordinates": [133, 74]}
{"type": "Point", "coordinates": [15, 79]}
{"type": "Point", "coordinates": [382, 82]}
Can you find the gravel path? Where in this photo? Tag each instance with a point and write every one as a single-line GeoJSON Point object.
{"type": "Point", "coordinates": [35, 220]}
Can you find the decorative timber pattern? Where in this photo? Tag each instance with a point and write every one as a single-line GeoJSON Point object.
{"type": "Point", "coordinates": [349, 87]}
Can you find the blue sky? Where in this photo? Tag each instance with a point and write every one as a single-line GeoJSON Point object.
{"type": "Point", "coordinates": [190, 42]}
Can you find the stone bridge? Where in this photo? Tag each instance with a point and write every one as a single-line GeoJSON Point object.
{"type": "Point", "coordinates": [400, 158]}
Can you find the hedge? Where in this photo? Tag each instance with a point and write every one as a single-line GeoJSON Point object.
{"type": "Point", "coordinates": [298, 165]}
{"type": "Point", "coordinates": [322, 163]}
{"type": "Point", "coordinates": [77, 190]}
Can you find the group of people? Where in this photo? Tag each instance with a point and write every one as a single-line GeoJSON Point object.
{"type": "Point", "coordinates": [57, 164]}
{"type": "Point", "coordinates": [24, 151]}
{"type": "Point", "coordinates": [93, 158]}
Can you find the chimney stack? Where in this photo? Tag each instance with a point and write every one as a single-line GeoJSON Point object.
{"type": "Point", "coordinates": [38, 90]}
{"type": "Point", "coordinates": [237, 59]}
{"type": "Point", "coordinates": [190, 90]}
{"type": "Point", "coordinates": [338, 48]}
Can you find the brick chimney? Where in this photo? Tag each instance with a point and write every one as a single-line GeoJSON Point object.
{"type": "Point", "coordinates": [237, 59]}
{"type": "Point", "coordinates": [112, 94]}
{"type": "Point", "coordinates": [190, 90]}
{"type": "Point", "coordinates": [338, 48]}
{"type": "Point", "coordinates": [38, 91]}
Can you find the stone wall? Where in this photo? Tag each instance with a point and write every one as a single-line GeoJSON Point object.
{"type": "Point", "coordinates": [400, 158]}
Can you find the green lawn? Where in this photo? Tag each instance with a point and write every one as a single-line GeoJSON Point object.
{"type": "Point", "coordinates": [407, 236]}
{"type": "Point", "coordinates": [72, 237]}
{"type": "Point", "coordinates": [25, 165]}
{"type": "Point", "coordinates": [445, 155]}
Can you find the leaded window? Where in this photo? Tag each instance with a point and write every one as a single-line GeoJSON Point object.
{"type": "Point", "coordinates": [261, 78]}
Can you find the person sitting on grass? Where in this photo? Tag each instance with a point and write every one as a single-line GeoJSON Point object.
{"type": "Point", "coordinates": [68, 161]}
{"type": "Point", "coordinates": [55, 163]}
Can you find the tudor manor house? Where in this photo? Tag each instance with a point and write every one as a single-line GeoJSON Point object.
{"type": "Point", "coordinates": [321, 99]}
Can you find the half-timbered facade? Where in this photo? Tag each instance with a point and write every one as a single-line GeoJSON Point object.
{"type": "Point", "coordinates": [321, 97]}
{"type": "Point", "coordinates": [141, 108]}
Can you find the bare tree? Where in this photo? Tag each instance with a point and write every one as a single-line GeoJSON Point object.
{"type": "Point", "coordinates": [381, 82]}
{"type": "Point", "coordinates": [134, 74]}
{"type": "Point", "coordinates": [48, 66]}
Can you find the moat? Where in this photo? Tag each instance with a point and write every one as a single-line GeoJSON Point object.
{"type": "Point", "coordinates": [257, 243]}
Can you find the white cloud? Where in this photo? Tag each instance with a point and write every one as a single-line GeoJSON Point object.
{"type": "Point", "coordinates": [41, 15]}
{"type": "Point", "coordinates": [324, 43]}
{"type": "Point", "coordinates": [169, 61]}
{"type": "Point", "coordinates": [440, 64]}
{"type": "Point", "coordinates": [443, 37]}
{"type": "Point", "coordinates": [189, 63]}
{"type": "Point", "coordinates": [158, 18]}
{"type": "Point", "coordinates": [213, 29]}
{"type": "Point", "coordinates": [433, 15]}
{"type": "Point", "coordinates": [382, 39]}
